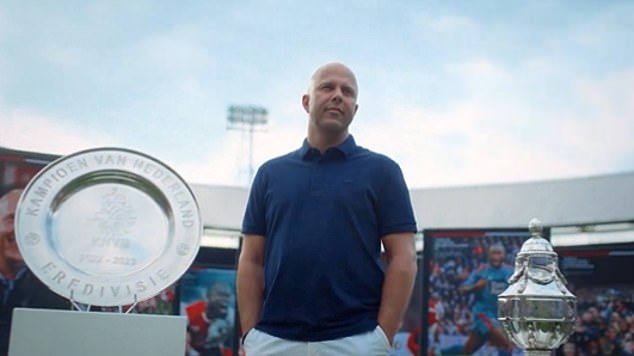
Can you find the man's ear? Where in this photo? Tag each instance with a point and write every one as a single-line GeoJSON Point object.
{"type": "Point", "coordinates": [305, 102]}
{"type": "Point", "coordinates": [356, 107]}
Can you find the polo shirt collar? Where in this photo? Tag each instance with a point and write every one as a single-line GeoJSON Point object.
{"type": "Point", "coordinates": [346, 148]}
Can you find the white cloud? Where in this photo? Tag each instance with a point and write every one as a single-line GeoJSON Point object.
{"type": "Point", "coordinates": [491, 136]}
{"type": "Point", "coordinates": [447, 24]}
{"type": "Point", "coordinates": [34, 132]}
{"type": "Point", "coordinates": [65, 57]}
{"type": "Point", "coordinates": [224, 161]}
{"type": "Point", "coordinates": [478, 69]}
{"type": "Point", "coordinates": [459, 153]}
{"type": "Point", "coordinates": [217, 166]}
{"type": "Point", "coordinates": [176, 52]}
{"type": "Point", "coordinates": [606, 129]}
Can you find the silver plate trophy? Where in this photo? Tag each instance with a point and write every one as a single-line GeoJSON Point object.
{"type": "Point", "coordinates": [108, 226]}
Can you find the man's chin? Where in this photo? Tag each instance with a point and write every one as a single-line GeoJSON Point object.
{"type": "Point", "coordinates": [333, 127]}
{"type": "Point", "coordinates": [14, 259]}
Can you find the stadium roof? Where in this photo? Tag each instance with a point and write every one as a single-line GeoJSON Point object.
{"type": "Point", "coordinates": [564, 202]}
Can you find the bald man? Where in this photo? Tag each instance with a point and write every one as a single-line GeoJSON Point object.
{"type": "Point", "coordinates": [310, 281]}
{"type": "Point", "coordinates": [18, 286]}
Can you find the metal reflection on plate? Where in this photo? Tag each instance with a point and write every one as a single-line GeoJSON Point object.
{"type": "Point", "coordinates": [536, 310]}
{"type": "Point", "coordinates": [108, 226]}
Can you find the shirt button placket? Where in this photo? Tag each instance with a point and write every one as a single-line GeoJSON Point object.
{"type": "Point", "coordinates": [317, 178]}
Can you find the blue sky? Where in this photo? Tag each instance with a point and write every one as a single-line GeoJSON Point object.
{"type": "Point", "coordinates": [457, 92]}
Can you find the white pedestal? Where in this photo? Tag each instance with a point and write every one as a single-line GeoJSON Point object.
{"type": "Point", "coordinates": [76, 333]}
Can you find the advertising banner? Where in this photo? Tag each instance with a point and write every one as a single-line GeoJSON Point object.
{"type": "Point", "coordinates": [465, 270]}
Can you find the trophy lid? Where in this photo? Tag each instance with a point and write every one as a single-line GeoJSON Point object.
{"type": "Point", "coordinates": [536, 244]}
{"type": "Point", "coordinates": [538, 262]}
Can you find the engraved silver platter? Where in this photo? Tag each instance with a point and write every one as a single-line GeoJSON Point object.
{"type": "Point", "coordinates": [108, 226]}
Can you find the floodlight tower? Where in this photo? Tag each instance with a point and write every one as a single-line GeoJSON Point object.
{"type": "Point", "coordinates": [245, 118]}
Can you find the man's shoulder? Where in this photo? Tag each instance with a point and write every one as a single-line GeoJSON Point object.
{"type": "Point", "coordinates": [275, 162]}
{"type": "Point", "coordinates": [382, 159]}
{"type": "Point", "coordinates": [277, 167]}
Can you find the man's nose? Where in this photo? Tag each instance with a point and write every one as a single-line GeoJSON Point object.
{"type": "Point", "coordinates": [337, 94]}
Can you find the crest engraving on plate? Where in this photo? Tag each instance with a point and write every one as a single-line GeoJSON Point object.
{"type": "Point", "coordinates": [114, 220]}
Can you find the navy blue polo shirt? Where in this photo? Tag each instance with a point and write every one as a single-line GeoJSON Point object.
{"type": "Point", "coordinates": [323, 217]}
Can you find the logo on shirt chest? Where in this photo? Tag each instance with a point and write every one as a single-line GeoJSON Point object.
{"type": "Point", "coordinates": [498, 287]}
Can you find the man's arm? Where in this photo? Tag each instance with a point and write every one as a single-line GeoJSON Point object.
{"type": "Point", "coordinates": [250, 280]}
{"type": "Point", "coordinates": [399, 280]}
{"type": "Point", "coordinates": [474, 283]}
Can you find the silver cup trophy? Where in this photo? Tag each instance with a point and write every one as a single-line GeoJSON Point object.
{"type": "Point", "coordinates": [537, 311]}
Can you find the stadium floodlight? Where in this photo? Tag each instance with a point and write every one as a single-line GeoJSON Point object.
{"type": "Point", "coordinates": [245, 118]}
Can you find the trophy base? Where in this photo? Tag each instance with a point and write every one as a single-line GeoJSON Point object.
{"type": "Point", "coordinates": [62, 332]}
